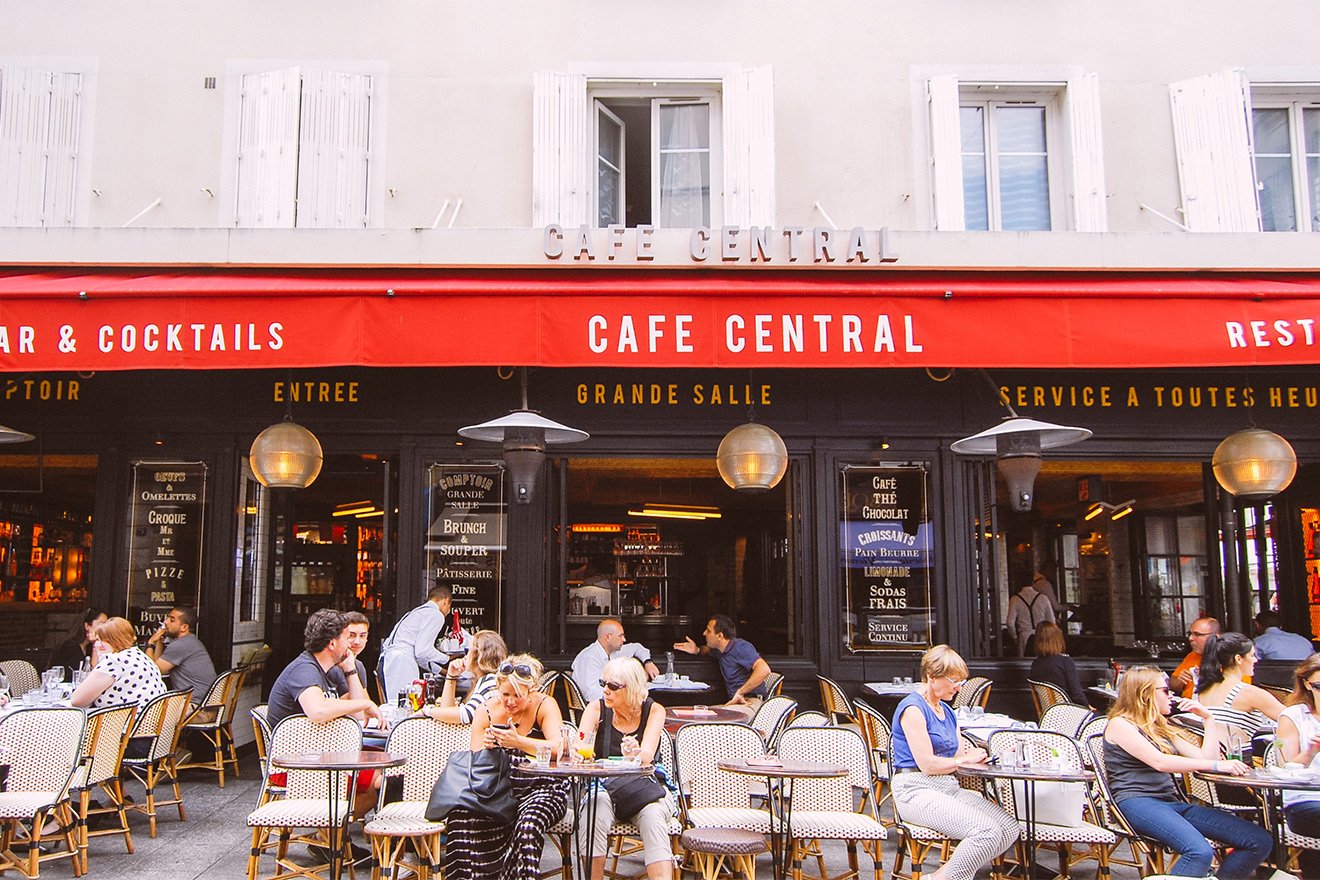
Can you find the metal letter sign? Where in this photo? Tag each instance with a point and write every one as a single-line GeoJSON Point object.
{"type": "Point", "coordinates": [885, 548]}
{"type": "Point", "coordinates": [165, 540]}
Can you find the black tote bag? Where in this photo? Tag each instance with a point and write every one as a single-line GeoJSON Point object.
{"type": "Point", "coordinates": [476, 781]}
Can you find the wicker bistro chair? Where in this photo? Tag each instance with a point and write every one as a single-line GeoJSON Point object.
{"type": "Point", "coordinates": [771, 717]}
{"type": "Point", "coordinates": [835, 701]}
{"type": "Point", "coordinates": [774, 685]}
{"type": "Point", "coordinates": [810, 719]}
{"type": "Point", "coordinates": [304, 804]}
{"type": "Point", "coordinates": [546, 685]}
{"type": "Point", "coordinates": [1291, 839]}
{"type": "Point", "coordinates": [213, 720]}
{"type": "Point", "coordinates": [261, 735]}
{"type": "Point", "coordinates": [103, 744]}
{"type": "Point", "coordinates": [161, 720]}
{"type": "Point", "coordinates": [712, 797]}
{"type": "Point", "coordinates": [1042, 746]}
{"type": "Point", "coordinates": [823, 808]}
{"type": "Point", "coordinates": [1148, 856]}
{"type": "Point", "coordinates": [1044, 695]}
{"type": "Point", "coordinates": [45, 747]}
{"type": "Point", "coordinates": [974, 692]}
{"type": "Point", "coordinates": [573, 697]}
{"type": "Point", "coordinates": [402, 824]}
{"type": "Point", "coordinates": [22, 675]}
{"type": "Point", "coordinates": [1066, 718]}
{"type": "Point", "coordinates": [878, 736]}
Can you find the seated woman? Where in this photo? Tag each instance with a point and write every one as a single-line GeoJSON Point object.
{"type": "Point", "coordinates": [486, 652]}
{"type": "Point", "coordinates": [1141, 753]}
{"type": "Point", "coordinates": [121, 673]}
{"type": "Point", "coordinates": [926, 751]}
{"type": "Point", "coordinates": [1299, 741]}
{"type": "Point", "coordinates": [1054, 666]}
{"type": "Point", "coordinates": [1226, 660]}
{"type": "Point", "coordinates": [522, 718]}
{"type": "Point", "coordinates": [76, 650]}
{"type": "Point", "coordinates": [628, 723]}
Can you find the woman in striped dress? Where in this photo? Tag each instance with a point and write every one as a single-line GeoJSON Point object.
{"type": "Point", "coordinates": [521, 718]}
{"type": "Point", "coordinates": [1226, 660]}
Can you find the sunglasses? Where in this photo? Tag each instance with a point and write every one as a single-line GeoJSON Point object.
{"type": "Point", "coordinates": [1164, 689]}
{"type": "Point", "coordinates": [522, 670]}
{"type": "Point", "coordinates": [612, 685]}
{"type": "Point", "coordinates": [1313, 685]}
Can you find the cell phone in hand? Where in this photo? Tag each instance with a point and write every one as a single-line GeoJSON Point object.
{"type": "Point", "coordinates": [501, 727]}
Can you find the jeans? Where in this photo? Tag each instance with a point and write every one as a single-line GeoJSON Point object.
{"type": "Point", "coordinates": [1184, 828]}
{"type": "Point", "coordinates": [1304, 818]}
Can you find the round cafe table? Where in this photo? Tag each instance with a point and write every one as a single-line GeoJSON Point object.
{"type": "Point", "coordinates": [580, 777]}
{"type": "Point", "coordinates": [334, 764]}
{"type": "Point", "coordinates": [1271, 785]}
{"type": "Point", "coordinates": [779, 776]}
{"type": "Point", "coordinates": [676, 717]}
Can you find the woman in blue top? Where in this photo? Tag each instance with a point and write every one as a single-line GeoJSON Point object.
{"type": "Point", "coordinates": [926, 751]}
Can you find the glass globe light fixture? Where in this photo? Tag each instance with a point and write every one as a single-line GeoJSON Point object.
{"type": "Point", "coordinates": [752, 458]}
{"type": "Point", "coordinates": [1254, 464]}
{"type": "Point", "coordinates": [286, 456]}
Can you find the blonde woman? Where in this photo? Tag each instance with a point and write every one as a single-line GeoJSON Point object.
{"type": "Point", "coordinates": [1141, 753]}
{"type": "Point", "coordinates": [927, 750]}
{"type": "Point", "coordinates": [485, 654]}
{"type": "Point", "coordinates": [628, 723]}
{"type": "Point", "coordinates": [1299, 741]}
{"type": "Point", "coordinates": [519, 720]}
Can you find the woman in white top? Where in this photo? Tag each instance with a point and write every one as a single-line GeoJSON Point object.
{"type": "Point", "coordinates": [1299, 741]}
{"type": "Point", "coordinates": [1226, 660]}
{"type": "Point", "coordinates": [121, 673]}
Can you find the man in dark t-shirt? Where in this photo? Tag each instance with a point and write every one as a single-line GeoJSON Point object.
{"type": "Point", "coordinates": [306, 685]}
{"type": "Point", "coordinates": [743, 668]}
{"type": "Point", "coordinates": [180, 655]}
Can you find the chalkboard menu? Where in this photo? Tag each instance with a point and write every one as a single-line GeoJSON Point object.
{"type": "Point", "coordinates": [465, 539]}
{"type": "Point", "coordinates": [885, 554]}
{"type": "Point", "coordinates": [164, 540]}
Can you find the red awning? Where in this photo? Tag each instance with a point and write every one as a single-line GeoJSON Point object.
{"type": "Point", "coordinates": [203, 319]}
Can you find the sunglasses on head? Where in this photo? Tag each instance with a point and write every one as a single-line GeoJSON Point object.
{"type": "Point", "coordinates": [522, 670]}
{"type": "Point", "coordinates": [612, 685]}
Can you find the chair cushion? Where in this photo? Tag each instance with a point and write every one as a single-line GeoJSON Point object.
{"type": "Point", "coordinates": [730, 817]}
{"type": "Point", "coordinates": [401, 826]}
{"type": "Point", "coordinates": [24, 804]}
{"type": "Point", "coordinates": [296, 813]}
{"type": "Point", "coordinates": [836, 825]}
{"type": "Point", "coordinates": [723, 841]}
{"type": "Point", "coordinates": [403, 810]}
{"type": "Point", "coordinates": [1082, 832]}
{"type": "Point", "coordinates": [564, 825]}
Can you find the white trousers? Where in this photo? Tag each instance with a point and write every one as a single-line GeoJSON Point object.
{"type": "Point", "coordinates": [983, 829]}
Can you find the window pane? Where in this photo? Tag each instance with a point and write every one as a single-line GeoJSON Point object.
{"type": "Point", "coordinates": [685, 127]}
{"type": "Point", "coordinates": [1020, 129]}
{"type": "Point", "coordinates": [976, 210]}
{"type": "Point", "coordinates": [607, 196]}
{"type": "Point", "coordinates": [1270, 127]}
{"type": "Point", "coordinates": [1275, 181]}
{"type": "Point", "coordinates": [684, 165]}
{"type": "Point", "coordinates": [1024, 193]}
{"type": "Point", "coordinates": [1313, 187]}
{"type": "Point", "coordinates": [607, 139]}
{"type": "Point", "coordinates": [609, 162]}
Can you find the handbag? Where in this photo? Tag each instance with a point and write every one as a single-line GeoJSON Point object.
{"type": "Point", "coordinates": [474, 781]}
{"type": "Point", "coordinates": [1057, 803]}
{"type": "Point", "coordinates": [631, 793]}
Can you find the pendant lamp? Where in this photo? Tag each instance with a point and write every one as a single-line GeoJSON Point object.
{"type": "Point", "coordinates": [752, 458]}
{"type": "Point", "coordinates": [1254, 464]}
{"type": "Point", "coordinates": [286, 456]}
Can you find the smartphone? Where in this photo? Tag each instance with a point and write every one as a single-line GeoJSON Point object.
{"type": "Point", "coordinates": [501, 727]}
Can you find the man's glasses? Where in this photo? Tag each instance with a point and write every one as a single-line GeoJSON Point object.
{"type": "Point", "coordinates": [522, 670]}
{"type": "Point", "coordinates": [612, 685]}
{"type": "Point", "coordinates": [1193, 634]}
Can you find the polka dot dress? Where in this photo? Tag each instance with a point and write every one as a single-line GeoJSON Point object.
{"type": "Point", "coordinates": [137, 679]}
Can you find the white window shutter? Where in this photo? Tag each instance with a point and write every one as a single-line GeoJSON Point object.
{"type": "Point", "coordinates": [267, 179]}
{"type": "Point", "coordinates": [1088, 160]}
{"type": "Point", "coordinates": [748, 127]}
{"type": "Point", "coordinates": [334, 149]}
{"type": "Point", "coordinates": [563, 155]}
{"type": "Point", "coordinates": [946, 153]}
{"type": "Point", "coordinates": [40, 114]}
{"type": "Point", "coordinates": [1212, 135]}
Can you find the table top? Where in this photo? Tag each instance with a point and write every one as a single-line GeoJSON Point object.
{"type": "Point", "coordinates": [1255, 778]}
{"type": "Point", "coordinates": [692, 714]}
{"type": "Point", "coordinates": [889, 689]}
{"type": "Point", "coordinates": [679, 684]}
{"type": "Point", "coordinates": [1032, 773]}
{"type": "Point", "coordinates": [598, 769]}
{"type": "Point", "coordinates": [1103, 691]}
{"type": "Point", "coordinates": [794, 769]}
{"type": "Point", "coordinates": [364, 760]}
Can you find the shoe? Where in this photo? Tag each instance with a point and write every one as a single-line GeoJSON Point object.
{"type": "Point", "coordinates": [320, 853]}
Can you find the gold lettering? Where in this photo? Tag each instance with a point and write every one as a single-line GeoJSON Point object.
{"type": "Point", "coordinates": [1133, 400]}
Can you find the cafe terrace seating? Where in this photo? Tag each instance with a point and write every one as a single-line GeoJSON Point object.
{"type": "Point", "coordinates": [1044, 695]}
{"type": "Point", "coordinates": [401, 825]}
{"type": "Point", "coordinates": [1065, 718]}
{"type": "Point", "coordinates": [104, 739]}
{"type": "Point", "coordinates": [45, 746]}
{"type": "Point", "coordinates": [162, 720]}
{"type": "Point", "coordinates": [810, 718]}
{"type": "Point", "coordinates": [877, 735]}
{"type": "Point", "coordinates": [823, 809]}
{"type": "Point", "coordinates": [22, 675]}
{"type": "Point", "coordinates": [573, 697]}
{"type": "Point", "coordinates": [915, 842]}
{"type": "Point", "coordinates": [547, 683]}
{"type": "Point", "coordinates": [774, 685]}
{"type": "Point", "coordinates": [715, 798]}
{"type": "Point", "coordinates": [836, 702]}
{"type": "Point", "coordinates": [305, 803]}
{"type": "Point", "coordinates": [213, 720]}
{"type": "Point", "coordinates": [771, 717]}
{"type": "Point", "coordinates": [974, 692]}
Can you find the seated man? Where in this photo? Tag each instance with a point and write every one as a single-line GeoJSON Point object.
{"type": "Point", "coordinates": [610, 643]}
{"type": "Point", "coordinates": [180, 655]}
{"type": "Point", "coordinates": [1183, 679]}
{"type": "Point", "coordinates": [743, 668]}
{"type": "Point", "coordinates": [1273, 643]}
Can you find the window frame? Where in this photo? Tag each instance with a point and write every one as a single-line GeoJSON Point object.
{"type": "Point", "coordinates": [1296, 103]}
{"type": "Point", "coordinates": [991, 96]}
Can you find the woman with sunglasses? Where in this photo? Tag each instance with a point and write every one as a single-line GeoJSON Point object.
{"type": "Point", "coordinates": [521, 719]}
{"type": "Point", "coordinates": [1227, 660]}
{"type": "Point", "coordinates": [1299, 741]}
{"type": "Point", "coordinates": [1142, 753]}
{"type": "Point", "coordinates": [486, 651]}
{"type": "Point", "coordinates": [926, 751]}
{"type": "Point", "coordinates": [628, 724]}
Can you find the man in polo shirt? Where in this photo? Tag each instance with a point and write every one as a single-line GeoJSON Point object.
{"type": "Point", "coordinates": [743, 668]}
{"type": "Point", "coordinates": [1182, 679]}
{"type": "Point", "coordinates": [180, 655]}
{"type": "Point", "coordinates": [610, 643]}
{"type": "Point", "coordinates": [1273, 643]}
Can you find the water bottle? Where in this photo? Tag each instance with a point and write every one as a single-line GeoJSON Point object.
{"type": "Point", "coordinates": [669, 666]}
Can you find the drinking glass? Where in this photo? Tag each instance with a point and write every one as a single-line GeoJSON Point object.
{"type": "Point", "coordinates": [56, 674]}
{"type": "Point", "coordinates": [585, 750]}
{"type": "Point", "coordinates": [1233, 748]}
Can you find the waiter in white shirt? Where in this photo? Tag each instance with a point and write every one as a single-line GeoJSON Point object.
{"type": "Point", "coordinates": [414, 646]}
{"type": "Point", "coordinates": [610, 643]}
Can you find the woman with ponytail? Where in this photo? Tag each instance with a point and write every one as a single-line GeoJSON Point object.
{"type": "Point", "coordinates": [1226, 663]}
